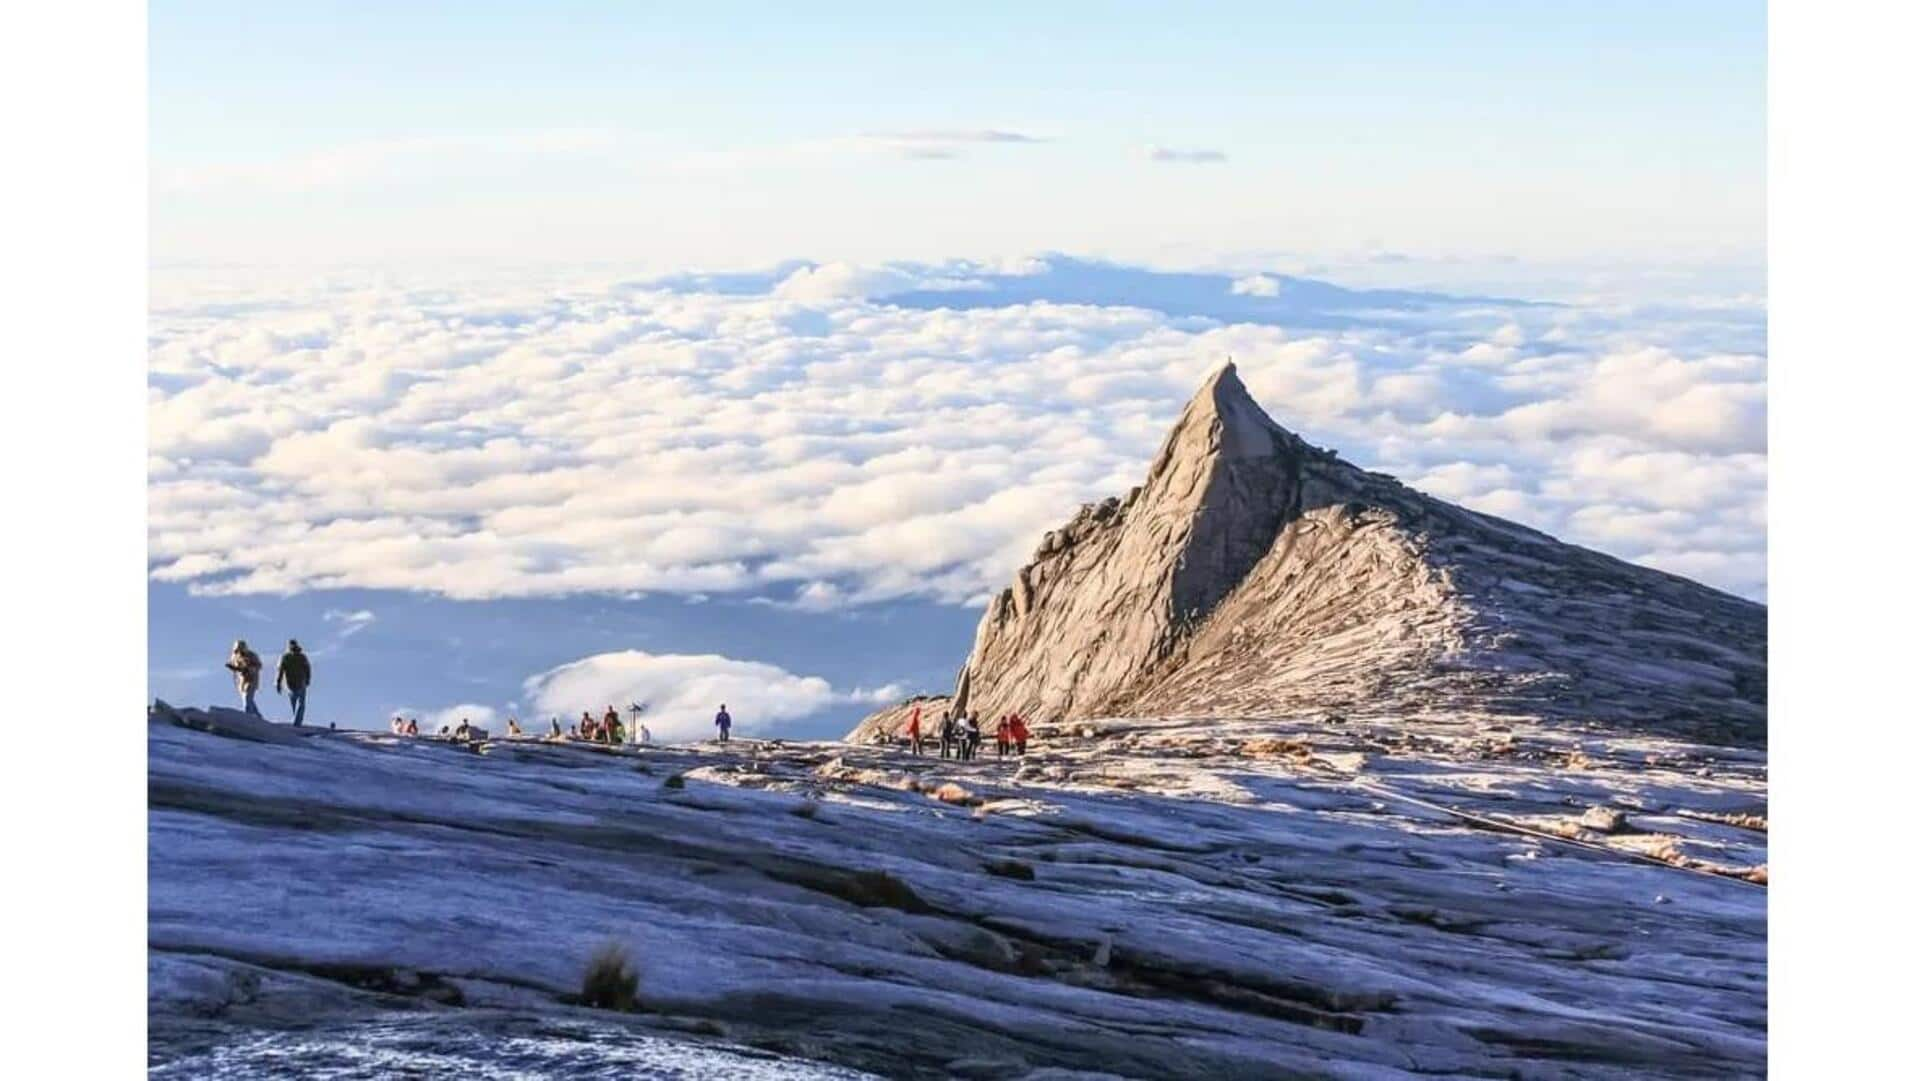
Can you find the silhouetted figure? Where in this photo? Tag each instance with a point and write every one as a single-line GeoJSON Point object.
{"type": "Point", "coordinates": [292, 676]}
{"type": "Point", "coordinates": [724, 722]}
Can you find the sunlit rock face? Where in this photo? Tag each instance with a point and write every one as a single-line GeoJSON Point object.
{"type": "Point", "coordinates": [1253, 574]}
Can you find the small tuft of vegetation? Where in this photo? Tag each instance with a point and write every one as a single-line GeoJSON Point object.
{"type": "Point", "coordinates": [678, 780]}
{"type": "Point", "coordinates": [611, 982]}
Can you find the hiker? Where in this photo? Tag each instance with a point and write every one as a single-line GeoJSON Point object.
{"type": "Point", "coordinates": [1002, 735]}
{"type": "Point", "coordinates": [946, 734]}
{"type": "Point", "coordinates": [555, 721]}
{"type": "Point", "coordinates": [610, 726]}
{"type": "Point", "coordinates": [972, 736]}
{"type": "Point", "coordinates": [398, 727]}
{"type": "Point", "coordinates": [724, 722]}
{"type": "Point", "coordinates": [1019, 734]}
{"type": "Point", "coordinates": [413, 726]}
{"type": "Point", "coordinates": [641, 733]}
{"type": "Point", "coordinates": [513, 728]}
{"type": "Point", "coordinates": [586, 725]}
{"type": "Point", "coordinates": [461, 732]}
{"type": "Point", "coordinates": [913, 731]}
{"type": "Point", "coordinates": [291, 678]}
{"type": "Point", "coordinates": [244, 663]}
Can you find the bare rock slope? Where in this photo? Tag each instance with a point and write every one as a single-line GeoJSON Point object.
{"type": "Point", "coordinates": [1253, 574]}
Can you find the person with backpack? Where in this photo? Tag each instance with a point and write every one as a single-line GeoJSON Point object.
{"type": "Point", "coordinates": [913, 731]}
{"type": "Point", "coordinates": [291, 677]}
{"type": "Point", "coordinates": [724, 722]}
{"type": "Point", "coordinates": [1019, 734]}
{"type": "Point", "coordinates": [244, 663]}
{"type": "Point", "coordinates": [946, 734]}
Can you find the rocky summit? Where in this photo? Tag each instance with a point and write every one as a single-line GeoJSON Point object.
{"type": "Point", "coordinates": [1253, 575]}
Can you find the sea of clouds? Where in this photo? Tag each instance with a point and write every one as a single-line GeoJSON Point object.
{"type": "Point", "coordinates": [830, 435]}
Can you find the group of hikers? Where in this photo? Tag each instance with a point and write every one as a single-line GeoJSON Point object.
{"type": "Point", "coordinates": [291, 677]}
{"type": "Point", "coordinates": [960, 736]}
{"type": "Point", "coordinates": [606, 729]}
{"type": "Point", "coordinates": [294, 675]}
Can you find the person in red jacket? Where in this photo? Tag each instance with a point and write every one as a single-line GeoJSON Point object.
{"type": "Point", "coordinates": [1018, 730]}
{"type": "Point", "coordinates": [913, 730]}
{"type": "Point", "coordinates": [1003, 735]}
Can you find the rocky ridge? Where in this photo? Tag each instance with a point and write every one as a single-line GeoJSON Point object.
{"type": "Point", "coordinates": [1253, 574]}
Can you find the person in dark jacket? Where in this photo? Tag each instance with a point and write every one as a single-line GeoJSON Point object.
{"type": "Point", "coordinates": [970, 737]}
{"type": "Point", "coordinates": [946, 735]}
{"type": "Point", "coordinates": [724, 722]}
{"type": "Point", "coordinates": [292, 677]}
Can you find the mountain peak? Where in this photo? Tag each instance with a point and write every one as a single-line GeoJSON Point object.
{"type": "Point", "coordinates": [1253, 574]}
{"type": "Point", "coordinates": [1221, 420]}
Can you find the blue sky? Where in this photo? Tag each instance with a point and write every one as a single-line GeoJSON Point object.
{"type": "Point", "coordinates": [445, 378]}
{"type": "Point", "coordinates": [733, 134]}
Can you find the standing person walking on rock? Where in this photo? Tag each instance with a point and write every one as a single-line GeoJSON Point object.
{"type": "Point", "coordinates": [724, 722]}
{"type": "Point", "coordinates": [971, 737]}
{"type": "Point", "coordinates": [913, 731]}
{"type": "Point", "coordinates": [946, 735]}
{"type": "Point", "coordinates": [1019, 734]}
{"type": "Point", "coordinates": [244, 663]}
{"type": "Point", "coordinates": [291, 678]}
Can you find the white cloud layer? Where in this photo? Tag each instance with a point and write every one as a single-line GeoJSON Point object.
{"type": "Point", "coordinates": [808, 443]}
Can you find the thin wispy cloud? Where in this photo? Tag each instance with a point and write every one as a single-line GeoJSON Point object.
{"type": "Point", "coordinates": [1197, 156]}
{"type": "Point", "coordinates": [923, 144]}
{"type": "Point", "coordinates": [350, 623]}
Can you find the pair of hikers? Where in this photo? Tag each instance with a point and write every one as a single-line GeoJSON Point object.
{"type": "Point", "coordinates": [291, 677]}
{"type": "Point", "coordinates": [605, 730]}
{"type": "Point", "coordinates": [1010, 735]}
{"type": "Point", "coordinates": [402, 727]}
{"type": "Point", "coordinates": [951, 733]}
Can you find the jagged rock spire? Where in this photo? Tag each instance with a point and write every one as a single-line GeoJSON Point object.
{"type": "Point", "coordinates": [1253, 574]}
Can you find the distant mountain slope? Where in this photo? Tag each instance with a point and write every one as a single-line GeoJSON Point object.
{"type": "Point", "coordinates": [1254, 574]}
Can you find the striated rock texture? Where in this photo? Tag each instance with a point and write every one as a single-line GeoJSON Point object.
{"type": "Point", "coordinates": [1253, 574]}
{"type": "Point", "coordinates": [891, 723]}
